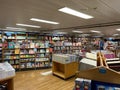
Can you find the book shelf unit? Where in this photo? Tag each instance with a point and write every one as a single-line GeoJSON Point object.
{"type": "Point", "coordinates": [72, 44]}
{"type": "Point", "coordinates": [65, 44]}
{"type": "Point", "coordinates": [25, 50]}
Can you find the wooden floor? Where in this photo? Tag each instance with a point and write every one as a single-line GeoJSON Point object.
{"type": "Point", "coordinates": [33, 80]}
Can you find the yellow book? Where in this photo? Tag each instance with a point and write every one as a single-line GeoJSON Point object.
{"type": "Point", "coordinates": [17, 51]}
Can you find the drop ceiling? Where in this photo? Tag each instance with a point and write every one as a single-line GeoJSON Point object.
{"type": "Point", "coordinates": [20, 11]}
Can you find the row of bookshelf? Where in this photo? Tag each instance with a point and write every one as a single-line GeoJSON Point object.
{"type": "Point", "coordinates": [22, 45]}
{"type": "Point", "coordinates": [31, 65]}
{"type": "Point", "coordinates": [66, 48]}
{"type": "Point", "coordinates": [35, 37]}
{"type": "Point", "coordinates": [24, 50]}
{"type": "Point", "coordinates": [12, 58]}
{"type": "Point", "coordinates": [25, 53]}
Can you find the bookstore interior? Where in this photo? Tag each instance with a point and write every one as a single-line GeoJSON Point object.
{"type": "Point", "coordinates": [60, 45]}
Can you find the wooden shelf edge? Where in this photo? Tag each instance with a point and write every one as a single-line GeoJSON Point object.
{"type": "Point", "coordinates": [109, 76]}
{"type": "Point", "coordinates": [7, 78]}
{"type": "Point", "coordinates": [60, 74]}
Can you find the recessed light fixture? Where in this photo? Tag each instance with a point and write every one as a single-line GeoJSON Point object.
{"type": "Point", "coordinates": [77, 31]}
{"type": "Point", "coordinates": [14, 28]}
{"type": "Point", "coordinates": [118, 29]}
{"type": "Point", "coordinates": [43, 21]}
{"type": "Point", "coordinates": [75, 13]}
{"type": "Point", "coordinates": [95, 31]}
{"type": "Point", "coordinates": [26, 25]}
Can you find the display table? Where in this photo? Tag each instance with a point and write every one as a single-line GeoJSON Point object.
{"type": "Point", "coordinates": [9, 81]}
{"type": "Point", "coordinates": [7, 73]}
{"type": "Point", "coordinates": [64, 70]}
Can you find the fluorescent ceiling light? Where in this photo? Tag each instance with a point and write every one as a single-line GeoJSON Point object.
{"type": "Point", "coordinates": [118, 29]}
{"type": "Point", "coordinates": [61, 33]}
{"type": "Point", "coordinates": [84, 35]}
{"type": "Point", "coordinates": [97, 36]}
{"type": "Point", "coordinates": [26, 25]}
{"type": "Point", "coordinates": [95, 31]}
{"type": "Point", "coordinates": [75, 13]}
{"type": "Point", "coordinates": [115, 34]}
{"type": "Point", "coordinates": [77, 31]}
{"type": "Point", "coordinates": [44, 21]}
{"type": "Point", "coordinates": [14, 28]}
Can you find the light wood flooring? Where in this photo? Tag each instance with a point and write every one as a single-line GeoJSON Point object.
{"type": "Point", "coordinates": [33, 80]}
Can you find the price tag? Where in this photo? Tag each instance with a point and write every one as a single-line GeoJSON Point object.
{"type": "Point", "coordinates": [102, 70]}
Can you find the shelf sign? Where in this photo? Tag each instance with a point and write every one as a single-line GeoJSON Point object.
{"type": "Point", "coordinates": [102, 70]}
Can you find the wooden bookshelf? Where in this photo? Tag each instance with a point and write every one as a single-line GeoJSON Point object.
{"type": "Point", "coordinates": [29, 44]}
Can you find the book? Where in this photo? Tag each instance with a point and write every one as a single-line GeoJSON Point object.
{"type": "Point", "coordinates": [82, 84]}
{"type": "Point", "coordinates": [17, 51]}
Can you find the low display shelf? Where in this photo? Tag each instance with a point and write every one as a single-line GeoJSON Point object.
{"type": "Point", "coordinates": [64, 70]}
{"type": "Point", "coordinates": [9, 81]}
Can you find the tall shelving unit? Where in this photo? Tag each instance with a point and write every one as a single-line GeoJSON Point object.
{"type": "Point", "coordinates": [27, 53]}
{"type": "Point", "coordinates": [68, 44]}
{"type": "Point", "coordinates": [9, 49]}
{"type": "Point", "coordinates": [25, 50]}
{"type": "Point", "coordinates": [65, 44]}
{"type": "Point", "coordinates": [43, 53]}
